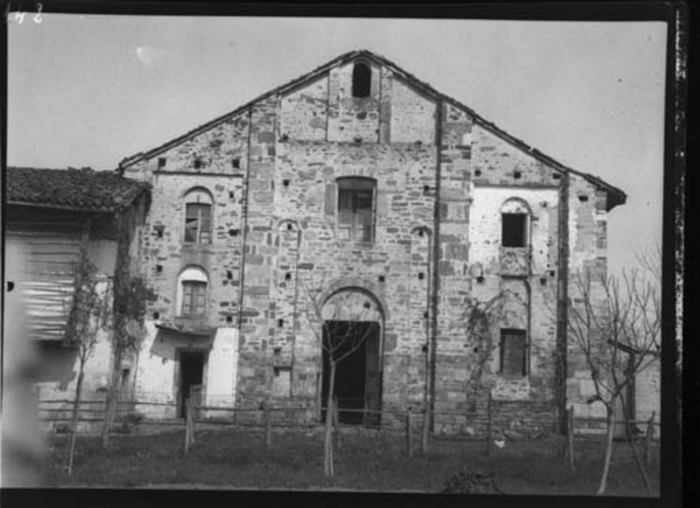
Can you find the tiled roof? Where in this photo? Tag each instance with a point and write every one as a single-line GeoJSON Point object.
{"type": "Point", "coordinates": [616, 195]}
{"type": "Point", "coordinates": [77, 189]}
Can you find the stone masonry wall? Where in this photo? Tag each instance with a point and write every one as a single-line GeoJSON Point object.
{"type": "Point", "coordinates": [215, 160]}
{"type": "Point", "coordinates": [273, 173]}
{"type": "Point", "coordinates": [350, 118]}
{"type": "Point", "coordinates": [495, 171]}
{"type": "Point", "coordinates": [258, 313]}
{"type": "Point", "coordinates": [587, 247]}
{"type": "Point", "coordinates": [383, 267]}
{"type": "Point", "coordinates": [303, 249]}
{"type": "Point", "coordinates": [454, 286]}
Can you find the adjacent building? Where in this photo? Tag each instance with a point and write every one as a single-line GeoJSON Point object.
{"type": "Point", "coordinates": [51, 216]}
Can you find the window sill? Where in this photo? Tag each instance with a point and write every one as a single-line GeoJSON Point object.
{"type": "Point", "coordinates": [190, 319]}
{"type": "Point", "coordinates": [358, 243]}
{"type": "Point", "coordinates": [195, 244]}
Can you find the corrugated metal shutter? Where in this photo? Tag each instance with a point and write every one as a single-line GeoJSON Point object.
{"type": "Point", "coordinates": [48, 262]}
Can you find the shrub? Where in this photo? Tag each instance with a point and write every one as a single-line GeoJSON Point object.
{"type": "Point", "coordinates": [466, 482]}
{"type": "Point", "coordinates": [135, 417]}
{"type": "Point", "coordinates": [61, 428]}
{"type": "Point", "coordinates": [124, 428]}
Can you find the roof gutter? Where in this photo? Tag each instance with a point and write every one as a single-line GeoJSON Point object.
{"type": "Point", "coordinates": [65, 207]}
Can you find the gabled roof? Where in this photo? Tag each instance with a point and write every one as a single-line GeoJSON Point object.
{"type": "Point", "coordinates": [73, 189]}
{"type": "Point", "coordinates": [615, 195]}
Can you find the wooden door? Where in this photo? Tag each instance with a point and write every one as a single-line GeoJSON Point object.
{"type": "Point", "coordinates": [373, 376]}
{"type": "Point", "coordinates": [191, 377]}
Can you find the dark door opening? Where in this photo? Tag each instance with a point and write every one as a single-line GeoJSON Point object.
{"type": "Point", "coordinates": [358, 374]}
{"type": "Point", "coordinates": [191, 376]}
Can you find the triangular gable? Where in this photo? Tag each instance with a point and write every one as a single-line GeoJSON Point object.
{"type": "Point", "coordinates": [615, 195]}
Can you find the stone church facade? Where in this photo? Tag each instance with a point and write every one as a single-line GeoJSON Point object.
{"type": "Point", "coordinates": [359, 194]}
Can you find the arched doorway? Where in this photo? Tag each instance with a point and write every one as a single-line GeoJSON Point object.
{"type": "Point", "coordinates": [352, 337]}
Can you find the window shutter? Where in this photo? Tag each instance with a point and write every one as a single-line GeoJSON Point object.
{"type": "Point", "coordinates": [198, 223]}
{"type": "Point", "coordinates": [201, 291]}
{"type": "Point", "coordinates": [363, 225]}
{"type": "Point", "coordinates": [205, 227]}
{"type": "Point", "coordinates": [186, 299]}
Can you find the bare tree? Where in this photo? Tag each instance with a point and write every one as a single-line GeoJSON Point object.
{"type": "Point", "coordinates": [338, 338]}
{"type": "Point", "coordinates": [131, 295]}
{"type": "Point", "coordinates": [87, 316]}
{"type": "Point", "coordinates": [481, 319]}
{"type": "Point", "coordinates": [651, 264]}
{"type": "Point", "coordinates": [616, 325]}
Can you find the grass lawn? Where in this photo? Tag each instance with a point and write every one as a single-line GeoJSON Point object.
{"type": "Point", "coordinates": [238, 459]}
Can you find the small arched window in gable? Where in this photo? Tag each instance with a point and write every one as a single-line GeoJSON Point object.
{"type": "Point", "coordinates": [192, 292]}
{"type": "Point", "coordinates": [515, 216]}
{"type": "Point", "coordinates": [198, 212]}
{"type": "Point", "coordinates": [361, 80]}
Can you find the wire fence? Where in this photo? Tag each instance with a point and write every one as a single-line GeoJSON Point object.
{"type": "Point", "coordinates": [133, 414]}
{"type": "Point", "coordinates": [410, 423]}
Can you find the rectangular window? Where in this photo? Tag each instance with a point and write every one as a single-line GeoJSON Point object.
{"type": "Point", "coordinates": [513, 353]}
{"type": "Point", "coordinates": [198, 223]}
{"type": "Point", "coordinates": [194, 294]}
{"type": "Point", "coordinates": [513, 233]}
{"type": "Point", "coordinates": [356, 209]}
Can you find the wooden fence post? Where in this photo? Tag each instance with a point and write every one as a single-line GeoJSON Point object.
{"type": "Point", "coordinates": [570, 434]}
{"type": "Point", "coordinates": [409, 434]}
{"type": "Point", "coordinates": [331, 469]}
{"type": "Point", "coordinates": [488, 426]}
{"type": "Point", "coordinates": [268, 425]}
{"type": "Point", "coordinates": [647, 439]}
{"type": "Point", "coordinates": [562, 439]}
{"type": "Point", "coordinates": [425, 431]}
{"type": "Point", "coordinates": [187, 425]}
{"type": "Point", "coordinates": [192, 414]}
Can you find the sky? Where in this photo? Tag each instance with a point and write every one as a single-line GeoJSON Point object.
{"type": "Point", "coordinates": [90, 90]}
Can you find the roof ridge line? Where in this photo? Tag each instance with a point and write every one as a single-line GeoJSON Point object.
{"type": "Point", "coordinates": [222, 118]}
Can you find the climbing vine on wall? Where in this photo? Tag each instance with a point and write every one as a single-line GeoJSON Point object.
{"type": "Point", "coordinates": [130, 302]}
{"type": "Point", "coordinates": [87, 309]}
{"type": "Point", "coordinates": [480, 319]}
{"type": "Point", "coordinates": [87, 316]}
{"type": "Point", "coordinates": [131, 297]}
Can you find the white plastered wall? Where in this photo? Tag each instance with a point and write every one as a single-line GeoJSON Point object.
{"type": "Point", "coordinates": [157, 370]}
{"type": "Point", "coordinates": [484, 254]}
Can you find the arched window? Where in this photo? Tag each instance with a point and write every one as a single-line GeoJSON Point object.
{"type": "Point", "coordinates": [198, 207]}
{"type": "Point", "coordinates": [192, 292]}
{"type": "Point", "coordinates": [361, 80]}
{"type": "Point", "coordinates": [356, 209]}
{"type": "Point", "coordinates": [514, 223]}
